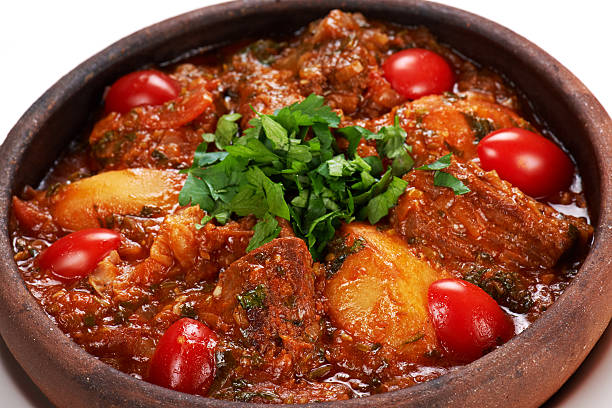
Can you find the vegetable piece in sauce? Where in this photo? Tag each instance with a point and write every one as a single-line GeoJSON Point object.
{"type": "Point", "coordinates": [87, 203]}
{"type": "Point", "coordinates": [76, 255]}
{"type": "Point", "coordinates": [531, 162]}
{"type": "Point", "coordinates": [147, 87]}
{"type": "Point", "coordinates": [379, 294]}
{"type": "Point", "coordinates": [184, 358]}
{"type": "Point", "coordinates": [468, 322]}
{"type": "Point", "coordinates": [417, 72]}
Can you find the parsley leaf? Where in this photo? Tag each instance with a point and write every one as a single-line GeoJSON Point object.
{"type": "Point", "coordinates": [265, 231]}
{"type": "Point", "coordinates": [442, 163]}
{"type": "Point", "coordinates": [252, 298]}
{"type": "Point", "coordinates": [444, 179]}
{"type": "Point", "coordinates": [379, 206]}
{"type": "Point", "coordinates": [313, 108]}
{"type": "Point", "coordinates": [275, 132]}
{"type": "Point", "coordinates": [391, 143]}
{"type": "Point", "coordinates": [225, 132]}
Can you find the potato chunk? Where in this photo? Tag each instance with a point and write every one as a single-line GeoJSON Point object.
{"type": "Point", "coordinates": [88, 202]}
{"type": "Point", "coordinates": [379, 294]}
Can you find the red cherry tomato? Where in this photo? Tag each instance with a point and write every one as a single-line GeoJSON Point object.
{"type": "Point", "coordinates": [184, 358]}
{"type": "Point", "coordinates": [76, 255]}
{"type": "Point", "coordinates": [417, 72]}
{"type": "Point", "coordinates": [467, 321]}
{"type": "Point", "coordinates": [148, 87]}
{"type": "Point", "coordinates": [526, 160]}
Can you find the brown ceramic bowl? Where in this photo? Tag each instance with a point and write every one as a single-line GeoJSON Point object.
{"type": "Point", "coordinates": [523, 373]}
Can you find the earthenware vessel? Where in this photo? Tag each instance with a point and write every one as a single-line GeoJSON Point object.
{"type": "Point", "coordinates": [522, 373]}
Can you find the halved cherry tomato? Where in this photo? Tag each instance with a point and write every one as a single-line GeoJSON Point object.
{"type": "Point", "coordinates": [416, 72]}
{"type": "Point", "coordinates": [184, 359]}
{"type": "Point", "coordinates": [534, 164]}
{"type": "Point", "coordinates": [76, 255]}
{"type": "Point", "coordinates": [147, 87]}
{"type": "Point", "coordinates": [467, 321]}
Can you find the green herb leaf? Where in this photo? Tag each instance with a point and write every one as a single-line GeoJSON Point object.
{"type": "Point", "coordinates": [442, 163]}
{"type": "Point", "coordinates": [443, 179]}
{"type": "Point", "coordinates": [265, 231]}
{"type": "Point", "coordinates": [480, 126]}
{"type": "Point", "coordinates": [227, 128]}
{"type": "Point", "coordinates": [391, 143]}
{"type": "Point", "coordinates": [379, 206]}
{"type": "Point", "coordinates": [313, 108]}
{"type": "Point", "coordinates": [275, 132]}
{"type": "Point", "coordinates": [252, 298]}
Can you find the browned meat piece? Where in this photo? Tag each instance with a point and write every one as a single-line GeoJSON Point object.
{"type": "Point", "coordinates": [181, 249]}
{"type": "Point", "coordinates": [338, 57]}
{"type": "Point", "coordinates": [493, 221]}
{"type": "Point", "coordinates": [266, 301]}
{"type": "Point", "coordinates": [256, 84]}
{"type": "Point", "coordinates": [440, 124]}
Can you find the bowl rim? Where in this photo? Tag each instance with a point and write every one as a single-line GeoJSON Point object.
{"type": "Point", "coordinates": [598, 263]}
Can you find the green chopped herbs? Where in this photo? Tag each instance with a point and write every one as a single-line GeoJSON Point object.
{"type": "Point", "coordinates": [265, 231]}
{"type": "Point", "coordinates": [227, 128]}
{"type": "Point", "coordinates": [480, 126]}
{"type": "Point", "coordinates": [246, 396]}
{"type": "Point", "coordinates": [253, 298]}
{"type": "Point", "coordinates": [443, 179]}
{"type": "Point", "coordinates": [89, 320]}
{"type": "Point", "coordinates": [415, 338]}
{"type": "Point", "coordinates": [288, 165]}
{"type": "Point", "coordinates": [319, 372]}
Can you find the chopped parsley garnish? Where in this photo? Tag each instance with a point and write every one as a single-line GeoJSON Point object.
{"type": "Point", "coordinates": [443, 179]}
{"type": "Point", "coordinates": [288, 165]}
{"type": "Point", "coordinates": [480, 126]}
{"type": "Point", "coordinates": [253, 298]}
{"type": "Point", "coordinates": [225, 132]}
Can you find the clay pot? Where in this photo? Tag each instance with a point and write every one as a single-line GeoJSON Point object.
{"type": "Point", "coordinates": [522, 373]}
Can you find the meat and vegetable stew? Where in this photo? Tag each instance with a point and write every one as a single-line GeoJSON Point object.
{"type": "Point", "coordinates": [351, 210]}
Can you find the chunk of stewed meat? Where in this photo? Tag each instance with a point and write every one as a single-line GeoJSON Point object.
{"type": "Point", "coordinates": [493, 221]}
{"type": "Point", "coordinates": [267, 301]}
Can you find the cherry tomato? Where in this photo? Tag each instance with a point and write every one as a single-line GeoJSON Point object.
{"type": "Point", "coordinates": [184, 358]}
{"type": "Point", "coordinates": [147, 87]}
{"type": "Point", "coordinates": [467, 321]}
{"type": "Point", "coordinates": [417, 72]}
{"type": "Point", "coordinates": [526, 160]}
{"type": "Point", "coordinates": [76, 255]}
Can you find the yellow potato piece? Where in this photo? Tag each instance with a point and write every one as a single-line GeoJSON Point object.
{"type": "Point", "coordinates": [379, 295]}
{"type": "Point", "coordinates": [88, 202]}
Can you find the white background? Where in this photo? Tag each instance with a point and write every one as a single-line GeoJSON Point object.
{"type": "Point", "coordinates": [42, 41]}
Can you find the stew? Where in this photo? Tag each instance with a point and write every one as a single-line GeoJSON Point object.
{"type": "Point", "coordinates": [318, 217]}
